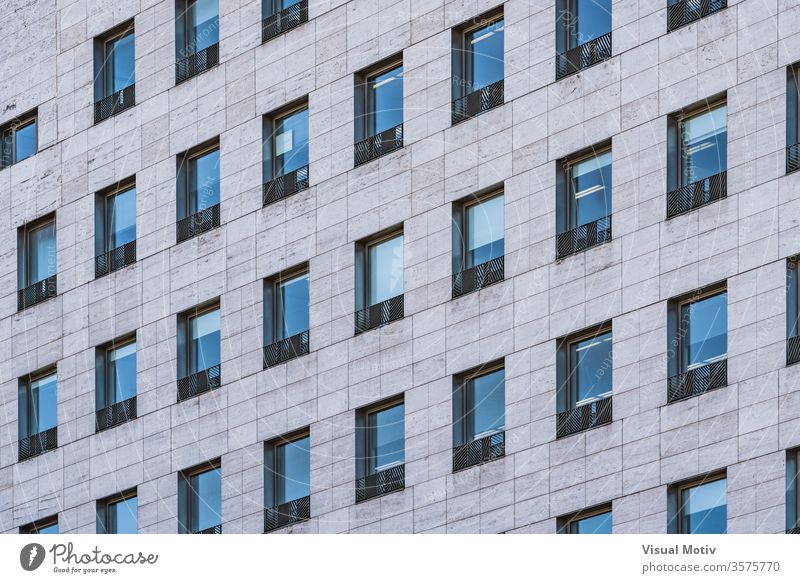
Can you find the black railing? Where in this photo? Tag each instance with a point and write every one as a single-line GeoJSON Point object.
{"type": "Point", "coordinates": [286, 349]}
{"type": "Point", "coordinates": [197, 223]}
{"type": "Point", "coordinates": [287, 513]}
{"type": "Point", "coordinates": [380, 483]}
{"type": "Point", "coordinates": [197, 63]}
{"type": "Point", "coordinates": [477, 102]}
{"type": "Point", "coordinates": [479, 276]}
{"type": "Point", "coordinates": [114, 259]}
{"type": "Point", "coordinates": [697, 381]}
{"type": "Point", "coordinates": [795, 530]}
{"type": "Point", "coordinates": [33, 445]}
{"type": "Point", "coordinates": [200, 382]}
{"type": "Point", "coordinates": [210, 530]}
{"type": "Point", "coordinates": [115, 414]}
{"type": "Point", "coordinates": [285, 185]}
{"type": "Point", "coordinates": [687, 11]}
{"type": "Point", "coordinates": [583, 237]}
{"type": "Point", "coordinates": [583, 56]}
{"type": "Point", "coordinates": [584, 417]}
{"type": "Point", "coordinates": [792, 158]}
{"type": "Point", "coordinates": [378, 145]}
{"type": "Point", "coordinates": [478, 451]}
{"type": "Point", "coordinates": [37, 292]}
{"type": "Point", "coordinates": [379, 314]}
{"type": "Point", "coordinates": [114, 103]}
{"type": "Point", "coordinates": [285, 20]}
{"type": "Point", "coordinates": [697, 194]}
{"type": "Point", "coordinates": [792, 350]}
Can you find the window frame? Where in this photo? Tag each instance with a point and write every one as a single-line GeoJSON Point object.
{"type": "Point", "coordinates": [683, 329]}
{"type": "Point", "coordinates": [278, 322]}
{"type": "Point", "coordinates": [37, 525]}
{"type": "Point", "coordinates": [793, 104]}
{"type": "Point", "coordinates": [572, 385]}
{"type": "Point", "coordinates": [189, 47]}
{"type": "Point", "coordinates": [107, 72]}
{"type": "Point", "coordinates": [678, 517]}
{"type": "Point", "coordinates": [680, 119]}
{"type": "Point", "coordinates": [104, 518]}
{"type": "Point", "coordinates": [26, 422]}
{"type": "Point", "coordinates": [106, 393]}
{"type": "Point", "coordinates": [464, 406]}
{"type": "Point", "coordinates": [8, 138]}
{"type": "Point", "coordinates": [368, 267]}
{"type": "Point", "coordinates": [792, 296]}
{"type": "Point", "coordinates": [104, 200]}
{"type": "Point", "coordinates": [466, 226]}
{"type": "Point", "coordinates": [25, 243]}
{"type": "Point", "coordinates": [467, 65]}
{"type": "Point", "coordinates": [365, 97]}
{"type": "Point", "coordinates": [367, 465]}
{"type": "Point", "coordinates": [187, 203]}
{"type": "Point", "coordinates": [276, 122]}
{"type": "Point", "coordinates": [793, 489]}
{"type": "Point", "coordinates": [571, 202]}
{"type": "Point", "coordinates": [189, 495]}
{"type": "Point", "coordinates": [569, 523]}
{"type": "Point", "coordinates": [189, 317]}
{"type": "Point", "coordinates": [272, 473]}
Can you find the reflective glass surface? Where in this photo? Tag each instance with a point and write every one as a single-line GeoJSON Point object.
{"type": "Point", "coordinates": [597, 524]}
{"type": "Point", "coordinates": [290, 142]}
{"type": "Point", "coordinates": [293, 301]}
{"type": "Point", "coordinates": [484, 56]}
{"type": "Point", "coordinates": [704, 508]}
{"type": "Point", "coordinates": [590, 196]}
{"type": "Point", "coordinates": [386, 438]}
{"type": "Point", "coordinates": [204, 181]}
{"type": "Point", "coordinates": [590, 374]}
{"type": "Point", "coordinates": [121, 367]}
{"type": "Point", "coordinates": [120, 219]}
{"type": "Point", "coordinates": [588, 19]}
{"type": "Point", "coordinates": [41, 260]}
{"type": "Point", "coordinates": [385, 100]}
{"type": "Point", "coordinates": [206, 500]}
{"type": "Point", "coordinates": [485, 228]}
{"type": "Point", "coordinates": [120, 70]}
{"type": "Point", "coordinates": [42, 405]}
{"type": "Point", "coordinates": [705, 330]}
{"type": "Point", "coordinates": [47, 529]}
{"type": "Point", "coordinates": [486, 404]}
{"type": "Point", "coordinates": [204, 350]}
{"type": "Point", "coordinates": [25, 141]}
{"type": "Point", "coordinates": [203, 29]}
{"type": "Point", "coordinates": [385, 270]}
{"type": "Point", "coordinates": [121, 517]}
{"type": "Point", "coordinates": [704, 145]}
{"type": "Point", "coordinates": [293, 469]}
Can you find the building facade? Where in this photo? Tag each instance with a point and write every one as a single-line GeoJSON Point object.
{"type": "Point", "coordinates": [349, 266]}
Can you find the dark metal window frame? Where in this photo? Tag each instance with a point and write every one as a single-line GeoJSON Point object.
{"type": "Point", "coordinates": [107, 102]}
{"type": "Point", "coordinates": [277, 515]}
{"type": "Point", "coordinates": [792, 118]}
{"type": "Point", "coordinates": [369, 144]}
{"type": "Point", "coordinates": [463, 412]}
{"type": "Point", "coordinates": [37, 525]}
{"type": "Point", "coordinates": [25, 413]}
{"type": "Point", "coordinates": [793, 491]}
{"type": "Point", "coordinates": [188, 61]}
{"type": "Point", "coordinates": [278, 184]}
{"type": "Point", "coordinates": [108, 259]}
{"type": "Point", "coordinates": [8, 136]}
{"type": "Point", "coordinates": [597, 49]}
{"type": "Point", "coordinates": [25, 247]}
{"type": "Point", "coordinates": [675, 498]}
{"type": "Point", "coordinates": [187, 497]}
{"type": "Point", "coordinates": [185, 373]}
{"type": "Point", "coordinates": [792, 310]}
{"type": "Point", "coordinates": [285, 347]}
{"type": "Point", "coordinates": [682, 328]}
{"type": "Point", "coordinates": [106, 405]}
{"type": "Point", "coordinates": [461, 228]}
{"type": "Point", "coordinates": [104, 520]}
{"type": "Point", "coordinates": [569, 371]}
{"type": "Point", "coordinates": [364, 462]}
{"type": "Point", "coordinates": [569, 524]}
{"type": "Point", "coordinates": [187, 200]}
{"type": "Point", "coordinates": [362, 275]}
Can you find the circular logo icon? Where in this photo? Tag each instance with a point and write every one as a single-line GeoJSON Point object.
{"type": "Point", "coordinates": [31, 556]}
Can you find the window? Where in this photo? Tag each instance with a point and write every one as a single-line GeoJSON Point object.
{"type": "Point", "coordinates": [198, 191]}
{"type": "Point", "coordinates": [199, 368]}
{"type": "Point", "coordinates": [286, 153]}
{"type": "Point", "coordinates": [478, 66]}
{"type": "Point", "coordinates": [115, 233]}
{"type": "Point", "coordinates": [792, 311]}
{"type": "Point", "coordinates": [286, 317]}
{"type": "Point", "coordinates": [792, 118]}
{"type": "Point", "coordinates": [478, 416]}
{"type": "Point", "coordinates": [44, 526]}
{"type": "Point", "coordinates": [116, 384]}
{"type": "Point", "coordinates": [697, 146]}
{"type": "Point", "coordinates": [698, 351]}
{"type": "Point", "coordinates": [699, 506]}
{"type": "Point", "coordinates": [478, 243]}
{"type": "Point", "coordinates": [38, 414]}
{"type": "Point", "coordinates": [583, 206]}
{"type": "Point", "coordinates": [115, 72]}
{"type": "Point", "coordinates": [793, 491]}
{"type": "Point", "coordinates": [379, 111]}
{"type": "Point", "coordinates": [196, 37]}
{"type": "Point", "coordinates": [118, 514]}
{"type": "Point", "coordinates": [379, 281]}
{"type": "Point", "coordinates": [36, 266]}
{"type": "Point", "coordinates": [592, 521]}
{"type": "Point", "coordinates": [683, 12]}
{"type": "Point", "coordinates": [583, 34]}
{"type": "Point", "coordinates": [200, 500]}
{"type": "Point", "coordinates": [380, 449]}
{"type": "Point", "coordinates": [287, 480]}
{"type": "Point", "coordinates": [19, 139]}
{"type": "Point", "coordinates": [279, 16]}
{"type": "Point", "coordinates": [584, 373]}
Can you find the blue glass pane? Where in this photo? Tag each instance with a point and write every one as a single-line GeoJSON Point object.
{"type": "Point", "coordinates": [597, 524]}
{"type": "Point", "coordinates": [484, 56]}
{"type": "Point", "coordinates": [293, 303]}
{"type": "Point", "coordinates": [704, 148]}
{"type": "Point", "coordinates": [121, 60]}
{"type": "Point", "coordinates": [294, 470]}
{"type": "Point", "coordinates": [204, 341]}
{"type": "Point", "coordinates": [25, 142]}
{"type": "Point", "coordinates": [486, 400]}
{"type": "Point", "coordinates": [591, 364]}
{"type": "Point", "coordinates": [386, 438]}
{"type": "Point", "coordinates": [203, 25]}
{"type": "Point", "coordinates": [122, 373]}
{"type": "Point", "coordinates": [705, 508]}
{"type": "Point", "coordinates": [41, 253]}
{"type": "Point", "coordinates": [206, 500]}
{"type": "Point", "coordinates": [707, 335]}
{"type": "Point", "coordinates": [123, 519]}
{"type": "Point", "coordinates": [385, 100]}
{"type": "Point", "coordinates": [121, 218]}
{"type": "Point", "coordinates": [49, 529]}
{"type": "Point", "coordinates": [385, 270]}
{"type": "Point", "coordinates": [43, 404]}
{"type": "Point", "coordinates": [591, 190]}
{"type": "Point", "coordinates": [290, 142]}
{"type": "Point", "coordinates": [204, 181]}
{"type": "Point", "coordinates": [591, 18]}
{"type": "Point", "coordinates": [485, 228]}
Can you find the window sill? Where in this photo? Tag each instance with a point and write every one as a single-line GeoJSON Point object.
{"type": "Point", "coordinates": [584, 417]}
{"type": "Point", "coordinates": [697, 381]}
{"type": "Point", "coordinates": [288, 513]}
{"type": "Point", "coordinates": [479, 276]}
{"type": "Point", "coordinates": [381, 483]}
{"type": "Point", "coordinates": [479, 451]}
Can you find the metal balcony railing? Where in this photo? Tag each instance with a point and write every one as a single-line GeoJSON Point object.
{"type": "Point", "coordinates": [479, 276]}
{"type": "Point", "coordinates": [114, 259]}
{"type": "Point", "coordinates": [285, 185]}
{"type": "Point", "coordinates": [380, 483]}
{"type": "Point", "coordinates": [795, 530]}
{"type": "Point", "coordinates": [583, 56]}
{"type": "Point", "coordinates": [792, 350]}
{"type": "Point", "coordinates": [378, 145]}
{"type": "Point", "coordinates": [287, 513]}
{"type": "Point", "coordinates": [37, 292]}
{"type": "Point", "coordinates": [210, 530]}
{"type": "Point", "coordinates": [286, 349]}
{"type": "Point", "coordinates": [688, 11]}
{"type": "Point", "coordinates": [584, 417]}
{"type": "Point", "coordinates": [197, 63]}
{"type": "Point", "coordinates": [478, 102]}
{"type": "Point", "coordinates": [583, 237]}
{"type": "Point", "coordinates": [697, 194]}
{"type": "Point", "coordinates": [792, 158]}
{"type": "Point", "coordinates": [479, 451]}
{"type": "Point", "coordinates": [379, 314]}
{"type": "Point", "coordinates": [697, 381]}
{"type": "Point", "coordinates": [197, 223]}
{"type": "Point", "coordinates": [114, 103]}
{"type": "Point", "coordinates": [115, 414]}
{"type": "Point", "coordinates": [199, 382]}
{"type": "Point", "coordinates": [283, 21]}
{"type": "Point", "coordinates": [33, 445]}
